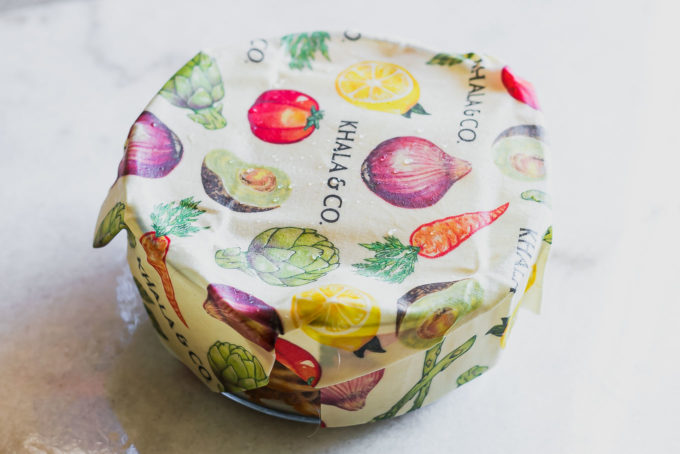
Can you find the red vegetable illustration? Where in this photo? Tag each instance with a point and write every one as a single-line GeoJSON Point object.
{"type": "Point", "coordinates": [254, 319]}
{"type": "Point", "coordinates": [152, 150]}
{"type": "Point", "coordinates": [298, 360]}
{"type": "Point", "coordinates": [519, 88]}
{"type": "Point", "coordinates": [167, 219]}
{"type": "Point", "coordinates": [284, 116]}
{"type": "Point", "coordinates": [394, 261]}
{"type": "Point", "coordinates": [411, 172]}
{"type": "Point", "coordinates": [351, 395]}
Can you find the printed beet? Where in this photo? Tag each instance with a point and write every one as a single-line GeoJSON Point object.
{"type": "Point", "coordinates": [152, 150]}
{"type": "Point", "coordinates": [410, 172]}
{"type": "Point", "coordinates": [254, 319]}
{"type": "Point", "coordinates": [284, 116]}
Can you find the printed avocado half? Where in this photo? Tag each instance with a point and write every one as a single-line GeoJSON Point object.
{"type": "Point", "coordinates": [425, 314]}
{"type": "Point", "coordinates": [241, 186]}
{"type": "Point", "coordinates": [519, 152]}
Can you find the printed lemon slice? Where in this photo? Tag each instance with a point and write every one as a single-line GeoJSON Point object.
{"type": "Point", "coordinates": [380, 86]}
{"type": "Point", "coordinates": [337, 315]}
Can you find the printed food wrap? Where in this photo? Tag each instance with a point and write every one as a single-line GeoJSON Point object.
{"type": "Point", "coordinates": [332, 225]}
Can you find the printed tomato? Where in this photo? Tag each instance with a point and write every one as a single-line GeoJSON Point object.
{"type": "Point", "coordinates": [518, 88]}
{"type": "Point", "coordinates": [284, 116]}
{"type": "Point", "coordinates": [299, 360]}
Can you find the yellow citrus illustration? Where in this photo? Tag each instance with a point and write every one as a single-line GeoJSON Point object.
{"type": "Point", "coordinates": [337, 315]}
{"type": "Point", "coordinates": [532, 279]}
{"type": "Point", "coordinates": [380, 86]}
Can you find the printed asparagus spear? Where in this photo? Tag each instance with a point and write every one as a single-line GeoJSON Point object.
{"type": "Point", "coordinates": [425, 381]}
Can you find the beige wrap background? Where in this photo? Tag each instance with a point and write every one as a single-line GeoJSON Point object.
{"type": "Point", "coordinates": [489, 255]}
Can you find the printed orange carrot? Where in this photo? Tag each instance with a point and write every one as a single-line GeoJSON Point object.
{"type": "Point", "coordinates": [394, 260]}
{"type": "Point", "coordinates": [174, 218]}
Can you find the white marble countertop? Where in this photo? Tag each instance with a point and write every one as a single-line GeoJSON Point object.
{"type": "Point", "coordinates": [596, 372]}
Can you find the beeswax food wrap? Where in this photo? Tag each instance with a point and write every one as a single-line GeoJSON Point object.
{"type": "Point", "coordinates": [335, 226]}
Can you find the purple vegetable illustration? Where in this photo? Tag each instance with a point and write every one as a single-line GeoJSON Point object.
{"type": "Point", "coordinates": [410, 172]}
{"type": "Point", "coordinates": [254, 319]}
{"type": "Point", "coordinates": [152, 150]}
{"type": "Point", "coordinates": [351, 395]}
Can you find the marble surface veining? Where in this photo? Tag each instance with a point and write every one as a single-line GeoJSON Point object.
{"type": "Point", "coordinates": [80, 368]}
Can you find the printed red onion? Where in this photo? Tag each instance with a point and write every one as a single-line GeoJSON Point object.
{"type": "Point", "coordinates": [411, 172]}
{"type": "Point", "coordinates": [351, 395]}
{"type": "Point", "coordinates": [152, 150]}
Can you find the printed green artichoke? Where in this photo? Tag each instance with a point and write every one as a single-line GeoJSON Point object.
{"type": "Point", "coordinates": [198, 86]}
{"type": "Point", "coordinates": [113, 222]}
{"type": "Point", "coordinates": [235, 367]}
{"type": "Point", "coordinates": [284, 256]}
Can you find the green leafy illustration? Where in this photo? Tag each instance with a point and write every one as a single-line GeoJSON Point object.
{"type": "Point", "coordinates": [313, 119]}
{"type": "Point", "coordinates": [112, 223]}
{"type": "Point", "coordinates": [424, 382]}
{"type": "Point", "coordinates": [498, 330]}
{"type": "Point", "coordinates": [175, 218]}
{"type": "Point", "coordinates": [372, 346]}
{"type": "Point", "coordinates": [548, 235]}
{"type": "Point", "coordinates": [536, 195]}
{"type": "Point", "coordinates": [302, 46]}
{"type": "Point", "coordinates": [198, 86]}
{"type": "Point", "coordinates": [416, 109]}
{"type": "Point", "coordinates": [393, 260]}
{"type": "Point", "coordinates": [471, 374]}
{"type": "Point", "coordinates": [442, 59]}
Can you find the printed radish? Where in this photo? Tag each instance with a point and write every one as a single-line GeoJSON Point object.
{"type": "Point", "coordinates": [394, 261]}
{"type": "Point", "coordinates": [298, 360]}
{"type": "Point", "coordinates": [152, 150]}
{"type": "Point", "coordinates": [168, 219]}
{"type": "Point", "coordinates": [519, 88]}
{"type": "Point", "coordinates": [410, 172]}
{"type": "Point", "coordinates": [284, 116]}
